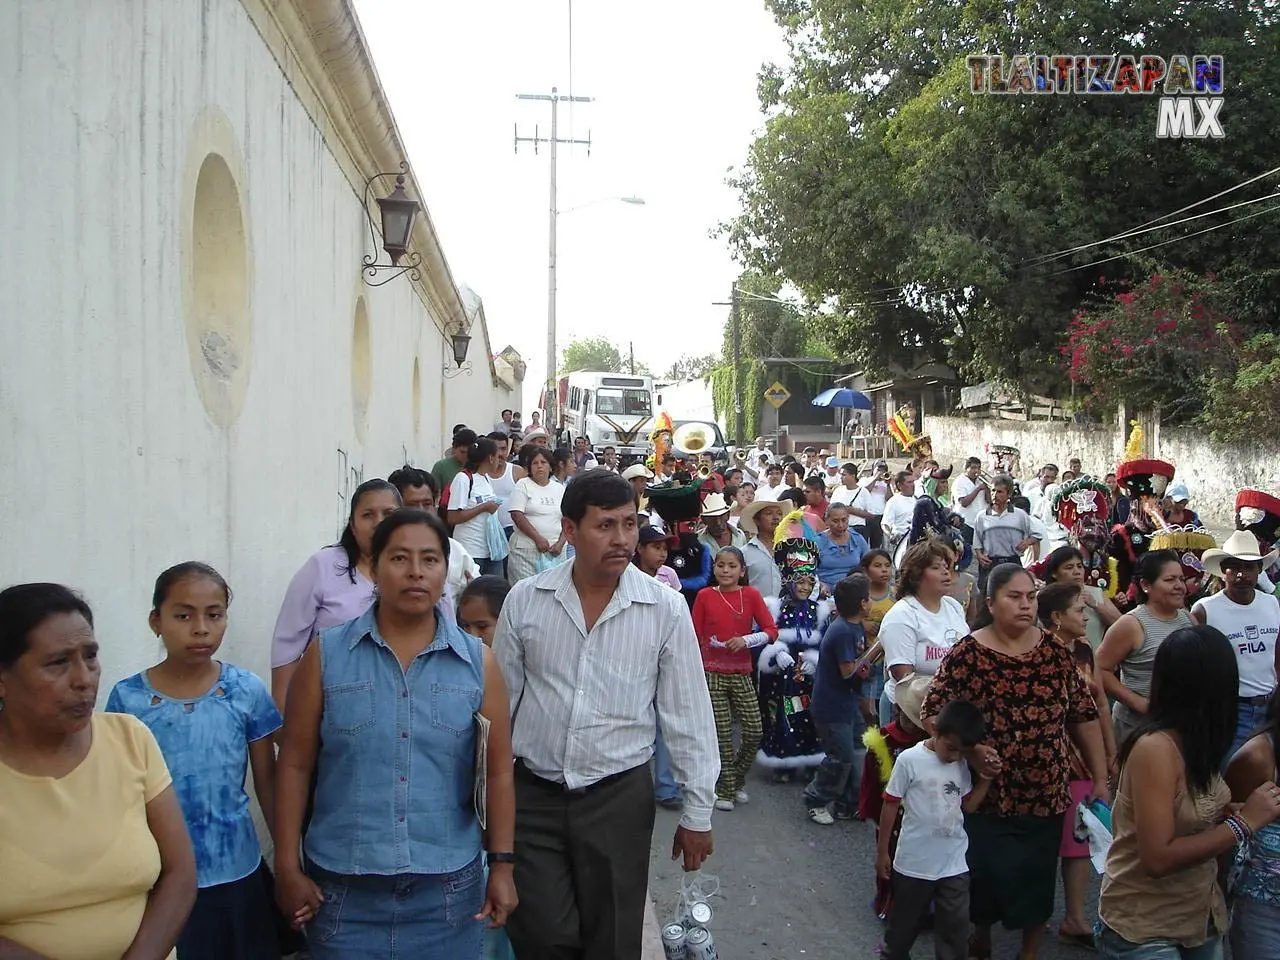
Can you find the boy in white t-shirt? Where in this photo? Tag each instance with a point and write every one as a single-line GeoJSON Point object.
{"type": "Point", "coordinates": [934, 785]}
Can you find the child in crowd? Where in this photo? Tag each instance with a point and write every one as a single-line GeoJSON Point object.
{"type": "Point", "coordinates": [211, 720]}
{"type": "Point", "coordinates": [478, 610]}
{"type": "Point", "coordinates": [787, 666]}
{"type": "Point", "coordinates": [479, 606]}
{"type": "Point", "coordinates": [934, 787]}
{"type": "Point", "coordinates": [878, 566]}
{"type": "Point", "coordinates": [883, 748]}
{"type": "Point", "coordinates": [651, 557]}
{"type": "Point", "coordinates": [834, 708]}
{"type": "Point", "coordinates": [730, 618]}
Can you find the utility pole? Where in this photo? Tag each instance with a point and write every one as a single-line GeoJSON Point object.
{"type": "Point", "coordinates": [739, 426]}
{"type": "Point", "coordinates": [631, 350]}
{"type": "Point", "coordinates": [555, 99]}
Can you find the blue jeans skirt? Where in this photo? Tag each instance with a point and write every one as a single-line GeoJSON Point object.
{"type": "Point", "coordinates": [1255, 930]}
{"type": "Point", "coordinates": [402, 917]}
{"type": "Point", "coordinates": [1112, 946]}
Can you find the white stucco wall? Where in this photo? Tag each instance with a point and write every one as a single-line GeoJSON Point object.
{"type": "Point", "coordinates": [1213, 472]}
{"type": "Point", "coordinates": [112, 467]}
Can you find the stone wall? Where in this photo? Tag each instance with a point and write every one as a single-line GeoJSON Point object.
{"type": "Point", "coordinates": [1212, 472]}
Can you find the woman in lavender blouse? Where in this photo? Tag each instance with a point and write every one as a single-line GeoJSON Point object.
{"type": "Point", "coordinates": [332, 587]}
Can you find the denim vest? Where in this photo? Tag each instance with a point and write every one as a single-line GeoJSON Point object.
{"type": "Point", "coordinates": [396, 764]}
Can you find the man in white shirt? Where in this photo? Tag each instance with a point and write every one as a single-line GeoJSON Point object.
{"type": "Point", "coordinates": [899, 511]}
{"type": "Point", "coordinates": [970, 497]}
{"type": "Point", "coordinates": [772, 485]}
{"type": "Point", "coordinates": [831, 477]}
{"type": "Point", "coordinates": [610, 461]}
{"type": "Point", "coordinates": [596, 655]}
{"type": "Point", "coordinates": [758, 453]}
{"type": "Point", "coordinates": [1034, 490]}
{"type": "Point", "coordinates": [1249, 619]}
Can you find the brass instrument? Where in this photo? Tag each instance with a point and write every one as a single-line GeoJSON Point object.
{"type": "Point", "coordinates": [693, 438]}
{"type": "Point", "coordinates": [740, 456]}
{"type": "Point", "coordinates": [704, 471]}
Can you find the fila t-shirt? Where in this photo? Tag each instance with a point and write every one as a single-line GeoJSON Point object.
{"type": "Point", "coordinates": [1252, 629]}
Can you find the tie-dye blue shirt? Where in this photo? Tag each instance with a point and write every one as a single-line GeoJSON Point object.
{"type": "Point", "coordinates": [205, 742]}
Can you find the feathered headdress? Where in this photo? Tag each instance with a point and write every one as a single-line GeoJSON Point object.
{"type": "Point", "coordinates": [900, 431]}
{"type": "Point", "coordinates": [1140, 477]}
{"type": "Point", "coordinates": [661, 440]}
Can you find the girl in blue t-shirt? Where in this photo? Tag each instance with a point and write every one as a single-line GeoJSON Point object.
{"type": "Point", "coordinates": [212, 721]}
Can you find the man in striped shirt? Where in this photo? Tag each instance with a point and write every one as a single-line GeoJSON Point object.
{"type": "Point", "coordinates": [589, 649]}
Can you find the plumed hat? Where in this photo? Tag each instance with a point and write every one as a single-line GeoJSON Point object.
{"type": "Point", "coordinates": [1140, 477]}
{"type": "Point", "coordinates": [1079, 497]}
{"type": "Point", "coordinates": [1259, 513]}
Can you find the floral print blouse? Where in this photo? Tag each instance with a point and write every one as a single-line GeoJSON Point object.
{"type": "Point", "coordinates": [1028, 702]}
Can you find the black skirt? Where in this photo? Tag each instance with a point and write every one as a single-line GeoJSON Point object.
{"type": "Point", "coordinates": [1013, 869]}
{"type": "Point", "coordinates": [234, 921]}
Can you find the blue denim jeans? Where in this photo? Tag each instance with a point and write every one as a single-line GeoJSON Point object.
{"type": "Point", "coordinates": [400, 917]}
{"type": "Point", "coordinates": [1112, 946]}
{"type": "Point", "coordinates": [1249, 720]}
{"type": "Point", "coordinates": [886, 708]}
{"type": "Point", "coordinates": [664, 781]}
{"type": "Point", "coordinates": [836, 781]}
{"type": "Point", "coordinates": [491, 568]}
{"type": "Point", "coordinates": [1255, 929]}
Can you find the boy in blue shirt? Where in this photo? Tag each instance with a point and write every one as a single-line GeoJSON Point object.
{"type": "Point", "coordinates": [833, 707]}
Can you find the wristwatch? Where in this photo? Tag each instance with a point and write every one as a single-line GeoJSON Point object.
{"type": "Point", "coordinates": [501, 858]}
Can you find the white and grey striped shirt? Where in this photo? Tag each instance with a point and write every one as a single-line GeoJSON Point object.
{"type": "Point", "coordinates": [582, 704]}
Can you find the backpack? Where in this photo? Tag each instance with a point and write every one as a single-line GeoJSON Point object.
{"type": "Point", "coordinates": [443, 505]}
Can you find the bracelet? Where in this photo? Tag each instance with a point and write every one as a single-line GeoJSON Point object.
{"type": "Point", "coordinates": [501, 858]}
{"type": "Point", "coordinates": [1240, 827]}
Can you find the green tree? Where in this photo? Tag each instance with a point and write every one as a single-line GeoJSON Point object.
{"type": "Point", "coordinates": [921, 217]}
{"type": "Point", "coordinates": [591, 353]}
{"type": "Point", "coordinates": [690, 367]}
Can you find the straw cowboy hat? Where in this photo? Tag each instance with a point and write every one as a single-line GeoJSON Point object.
{"type": "Point", "coordinates": [1241, 545]}
{"type": "Point", "coordinates": [715, 505]}
{"type": "Point", "coordinates": [747, 521]}
{"type": "Point", "coordinates": [909, 693]}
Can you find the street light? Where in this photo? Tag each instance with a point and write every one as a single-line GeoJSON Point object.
{"type": "Point", "coordinates": [550, 399]}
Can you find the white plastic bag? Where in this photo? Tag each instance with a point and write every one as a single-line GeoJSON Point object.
{"type": "Point", "coordinates": [1099, 836]}
{"type": "Point", "coordinates": [695, 888]}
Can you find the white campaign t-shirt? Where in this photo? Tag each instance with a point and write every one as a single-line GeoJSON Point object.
{"type": "Point", "coordinates": [843, 494]}
{"type": "Point", "coordinates": [932, 844]}
{"type": "Point", "coordinates": [1252, 630]}
{"type": "Point", "coordinates": [962, 488]}
{"type": "Point", "coordinates": [466, 492]}
{"type": "Point", "coordinates": [913, 636]}
{"type": "Point", "coordinates": [540, 506]}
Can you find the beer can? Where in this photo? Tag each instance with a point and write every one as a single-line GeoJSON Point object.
{"type": "Point", "coordinates": [700, 912]}
{"type": "Point", "coordinates": [700, 945]}
{"type": "Point", "coordinates": [673, 942]}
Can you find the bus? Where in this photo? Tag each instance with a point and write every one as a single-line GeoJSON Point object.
{"type": "Point", "coordinates": [609, 409]}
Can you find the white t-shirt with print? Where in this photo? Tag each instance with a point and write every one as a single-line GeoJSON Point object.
{"type": "Point", "coordinates": [962, 488]}
{"type": "Point", "coordinates": [466, 492]}
{"type": "Point", "coordinates": [912, 636]}
{"type": "Point", "coordinates": [1252, 630]}
{"type": "Point", "coordinates": [540, 506]}
{"type": "Point", "coordinates": [932, 844]}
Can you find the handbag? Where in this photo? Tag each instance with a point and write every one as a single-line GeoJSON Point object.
{"type": "Point", "coordinates": [495, 538]}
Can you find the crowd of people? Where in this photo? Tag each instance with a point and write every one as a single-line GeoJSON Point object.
{"type": "Point", "coordinates": [480, 693]}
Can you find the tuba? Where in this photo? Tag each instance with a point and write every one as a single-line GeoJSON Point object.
{"type": "Point", "coordinates": [693, 439]}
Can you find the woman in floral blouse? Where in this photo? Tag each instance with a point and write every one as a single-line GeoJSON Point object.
{"type": "Point", "coordinates": [1035, 705]}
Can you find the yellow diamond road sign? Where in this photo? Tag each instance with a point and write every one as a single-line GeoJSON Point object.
{"type": "Point", "coordinates": [777, 395]}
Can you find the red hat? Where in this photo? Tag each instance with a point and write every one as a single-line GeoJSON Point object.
{"type": "Point", "coordinates": [1144, 477]}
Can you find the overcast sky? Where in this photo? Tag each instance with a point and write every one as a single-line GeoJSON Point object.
{"type": "Point", "coordinates": [676, 107]}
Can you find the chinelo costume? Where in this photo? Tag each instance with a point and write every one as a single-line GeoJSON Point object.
{"type": "Point", "coordinates": [1259, 514]}
{"type": "Point", "coordinates": [787, 666]}
{"type": "Point", "coordinates": [1081, 506]}
{"type": "Point", "coordinates": [1144, 481]}
{"type": "Point", "coordinates": [679, 504]}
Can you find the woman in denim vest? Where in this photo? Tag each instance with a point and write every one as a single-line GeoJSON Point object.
{"type": "Point", "coordinates": [383, 709]}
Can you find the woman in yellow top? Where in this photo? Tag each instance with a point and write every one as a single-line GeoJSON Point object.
{"type": "Point", "coordinates": [89, 819]}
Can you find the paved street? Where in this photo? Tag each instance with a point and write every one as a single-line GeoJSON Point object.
{"type": "Point", "coordinates": [793, 889]}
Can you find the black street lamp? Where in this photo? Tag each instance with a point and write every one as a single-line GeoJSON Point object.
{"type": "Point", "coordinates": [397, 213]}
{"type": "Point", "coordinates": [460, 342]}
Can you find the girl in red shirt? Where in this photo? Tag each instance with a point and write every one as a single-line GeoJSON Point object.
{"type": "Point", "coordinates": [731, 619]}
